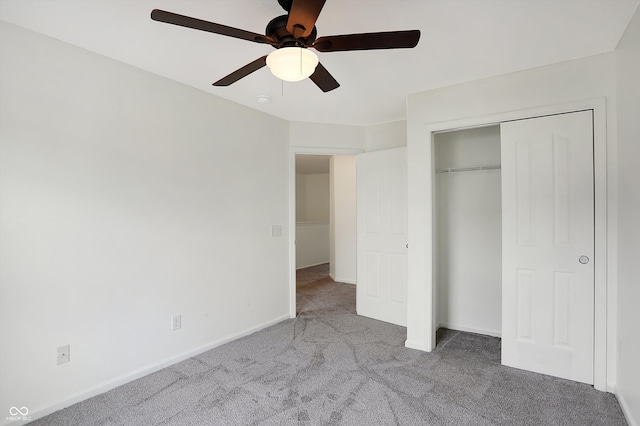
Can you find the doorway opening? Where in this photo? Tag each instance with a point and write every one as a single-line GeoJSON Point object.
{"type": "Point", "coordinates": [312, 212]}
{"type": "Point", "coordinates": [324, 215]}
{"type": "Point", "coordinates": [468, 230]}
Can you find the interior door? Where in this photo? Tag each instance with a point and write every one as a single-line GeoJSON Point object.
{"type": "Point", "coordinates": [382, 235]}
{"type": "Point", "coordinates": [548, 245]}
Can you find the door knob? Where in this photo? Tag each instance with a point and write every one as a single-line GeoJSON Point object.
{"type": "Point", "coordinates": [583, 259]}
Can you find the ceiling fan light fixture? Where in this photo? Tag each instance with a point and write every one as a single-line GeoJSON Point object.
{"type": "Point", "coordinates": [292, 63]}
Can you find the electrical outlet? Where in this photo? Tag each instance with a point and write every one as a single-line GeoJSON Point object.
{"type": "Point", "coordinates": [63, 354]}
{"type": "Point", "coordinates": [176, 322]}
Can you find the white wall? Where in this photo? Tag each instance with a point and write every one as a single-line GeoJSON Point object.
{"type": "Point", "coordinates": [317, 197]}
{"type": "Point", "coordinates": [343, 231]}
{"type": "Point", "coordinates": [312, 219]}
{"type": "Point", "coordinates": [628, 70]}
{"type": "Point", "coordinates": [312, 244]}
{"type": "Point", "coordinates": [127, 198]}
{"type": "Point", "coordinates": [386, 136]}
{"type": "Point", "coordinates": [301, 198]}
{"type": "Point", "coordinates": [469, 229]}
{"type": "Point", "coordinates": [338, 136]}
{"type": "Point", "coordinates": [329, 136]}
{"type": "Point", "coordinates": [566, 82]}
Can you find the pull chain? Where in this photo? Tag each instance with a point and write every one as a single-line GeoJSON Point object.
{"type": "Point", "coordinates": [300, 61]}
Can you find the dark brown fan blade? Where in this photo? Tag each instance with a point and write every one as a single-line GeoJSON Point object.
{"type": "Point", "coordinates": [367, 41]}
{"type": "Point", "coordinates": [303, 16]}
{"type": "Point", "coordinates": [242, 72]}
{"type": "Point", "coordinates": [199, 24]}
{"type": "Point", "coordinates": [323, 79]}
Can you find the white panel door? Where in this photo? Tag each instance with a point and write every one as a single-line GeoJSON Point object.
{"type": "Point", "coordinates": [382, 235]}
{"type": "Point", "coordinates": [548, 245]}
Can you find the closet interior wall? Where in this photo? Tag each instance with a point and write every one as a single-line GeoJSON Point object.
{"type": "Point", "coordinates": [468, 230]}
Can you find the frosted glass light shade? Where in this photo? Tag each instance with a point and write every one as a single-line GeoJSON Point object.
{"type": "Point", "coordinates": [292, 63]}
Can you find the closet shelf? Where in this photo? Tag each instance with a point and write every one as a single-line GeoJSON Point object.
{"type": "Point", "coordinates": [469, 169]}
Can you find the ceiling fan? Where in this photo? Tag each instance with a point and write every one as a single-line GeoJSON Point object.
{"type": "Point", "coordinates": [292, 35]}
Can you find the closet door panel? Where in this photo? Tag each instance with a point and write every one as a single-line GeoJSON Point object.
{"type": "Point", "coordinates": [548, 245]}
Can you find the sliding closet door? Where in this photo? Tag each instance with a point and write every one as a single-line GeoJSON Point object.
{"type": "Point", "coordinates": [382, 235]}
{"type": "Point", "coordinates": [548, 245]}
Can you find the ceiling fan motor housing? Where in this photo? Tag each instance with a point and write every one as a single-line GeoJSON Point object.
{"type": "Point", "coordinates": [286, 4]}
{"type": "Point", "coordinates": [277, 29]}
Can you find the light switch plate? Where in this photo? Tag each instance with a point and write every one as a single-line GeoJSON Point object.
{"type": "Point", "coordinates": [276, 230]}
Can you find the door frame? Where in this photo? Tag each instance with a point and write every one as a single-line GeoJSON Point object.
{"type": "Point", "coordinates": [293, 151]}
{"type": "Point", "coordinates": [421, 315]}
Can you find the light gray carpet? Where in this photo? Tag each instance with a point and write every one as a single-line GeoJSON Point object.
{"type": "Point", "coordinates": [329, 366]}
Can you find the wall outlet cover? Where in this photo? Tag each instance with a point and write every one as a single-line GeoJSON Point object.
{"type": "Point", "coordinates": [63, 355]}
{"type": "Point", "coordinates": [176, 322]}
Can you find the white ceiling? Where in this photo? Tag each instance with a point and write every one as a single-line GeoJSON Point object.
{"type": "Point", "coordinates": [462, 40]}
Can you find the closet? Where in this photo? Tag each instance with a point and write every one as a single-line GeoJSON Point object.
{"type": "Point", "coordinates": [468, 230]}
{"type": "Point", "coordinates": [514, 239]}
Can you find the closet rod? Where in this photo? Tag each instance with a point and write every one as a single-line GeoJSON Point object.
{"type": "Point", "coordinates": [469, 169]}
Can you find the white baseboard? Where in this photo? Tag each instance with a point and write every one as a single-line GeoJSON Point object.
{"type": "Point", "coordinates": [342, 280]}
{"type": "Point", "coordinates": [141, 372]}
{"type": "Point", "coordinates": [309, 266]}
{"type": "Point", "coordinates": [471, 329]}
{"type": "Point", "coordinates": [415, 345]}
{"type": "Point", "coordinates": [625, 408]}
